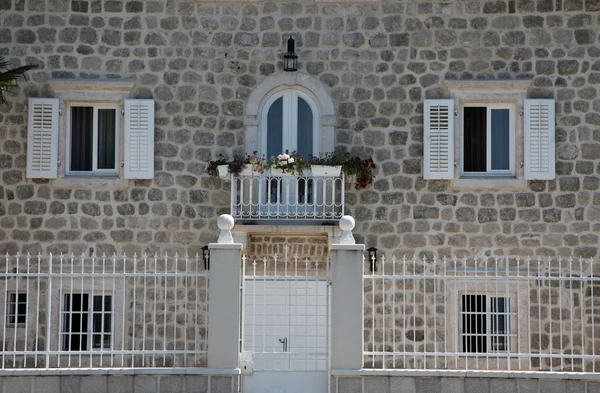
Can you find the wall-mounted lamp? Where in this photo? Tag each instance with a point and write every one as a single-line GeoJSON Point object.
{"type": "Point", "coordinates": [373, 258]}
{"type": "Point", "coordinates": [206, 257]}
{"type": "Point", "coordinates": [290, 59]}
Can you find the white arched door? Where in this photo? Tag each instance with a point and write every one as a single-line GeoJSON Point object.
{"type": "Point", "coordinates": [289, 122]}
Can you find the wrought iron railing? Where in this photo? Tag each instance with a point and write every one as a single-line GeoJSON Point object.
{"type": "Point", "coordinates": [281, 197]}
{"type": "Point", "coordinates": [482, 314]}
{"type": "Point", "coordinates": [102, 312]}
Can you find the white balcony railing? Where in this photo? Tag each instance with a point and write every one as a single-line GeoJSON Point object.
{"type": "Point", "coordinates": [102, 312]}
{"type": "Point", "coordinates": [269, 197]}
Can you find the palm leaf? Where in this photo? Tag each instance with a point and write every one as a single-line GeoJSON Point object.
{"type": "Point", "coordinates": [9, 77]}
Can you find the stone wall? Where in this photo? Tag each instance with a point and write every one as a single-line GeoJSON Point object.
{"type": "Point", "coordinates": [199, 61]}
{"type": "Point", "coordinates": [123, 383]}
{"type": "Point", "coordinates": [459, 384]}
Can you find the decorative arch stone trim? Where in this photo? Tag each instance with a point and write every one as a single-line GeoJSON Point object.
{"type": "Point", "coordinates": [292, 80]}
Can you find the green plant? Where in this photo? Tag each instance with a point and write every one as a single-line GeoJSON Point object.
{"type": "Point", "coordinates": [259, 164]}
{"type": "Point", "coordinates": [336, 157]}
{"type": "Point", "coordinates": [9, 77]}
{"type": "Point", "coordinates": [212, 170]}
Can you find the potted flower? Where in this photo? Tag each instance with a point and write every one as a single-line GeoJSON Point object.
{"type": "Point", "coordinates": [218, 167]}
{"type": "Point", "coordinates": [361, 170]}
{"type": "Point", "coordinates": [249, 165]}
{"type": "Point", "coordinates": [328, 164]}
{"type": "Point", "coordinates": [290, 164]}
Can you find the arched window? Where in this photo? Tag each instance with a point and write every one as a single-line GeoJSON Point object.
{"type": "Point", "coordinates": [289, 122]}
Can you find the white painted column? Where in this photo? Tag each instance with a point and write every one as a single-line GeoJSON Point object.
{"type": "Point", "coordinates": [224, 311]}
{"type": "Point", "coordinates": [347, 300]}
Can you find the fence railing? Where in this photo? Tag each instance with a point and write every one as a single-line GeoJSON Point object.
{"type": "Point", "coordinates": [269, 197]}
{"type": "Point", "coordinates": [96, 312]}
{"type": "Point", "coordinates": [482, 314]}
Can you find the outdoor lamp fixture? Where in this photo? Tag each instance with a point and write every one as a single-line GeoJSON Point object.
{"type": "Point", "coordinates": [373, 258]}
{"type": "Point", "coordinates": [206, 257]}
{"type": "Point", "coordinates": [290, 59]}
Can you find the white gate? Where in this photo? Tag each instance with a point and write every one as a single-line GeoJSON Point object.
{"type": "Point", "coordinates": [285, 338]}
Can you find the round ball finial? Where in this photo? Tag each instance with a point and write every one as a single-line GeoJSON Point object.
{"type": "Point", "coordinates": [225, 222]}
{"type": "Point", "coordinates": [347, 223]}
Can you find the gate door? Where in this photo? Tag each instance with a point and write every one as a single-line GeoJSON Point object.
{"type": "Point", "coordinates": [285, 339]}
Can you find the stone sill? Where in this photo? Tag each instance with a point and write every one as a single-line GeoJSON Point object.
{"type": "Point", "coordinates": [466, 374]}
{"type": "Point", "coordinates": [488, 184]}
{"type": "Point", "coordinates": [91, 182]}
{"type": "Point", "coordinates": [121, 371]}
{"type": "Point", "coordinates": [240, 232]}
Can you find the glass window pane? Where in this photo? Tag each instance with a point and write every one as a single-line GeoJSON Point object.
{"type": "Point", "coordinates": [500, 139]}
{"type": "Point", "coordinates": [82, 141]}
{"type": "Point", "coordinates": [305, 129]}
{"type": "Point", "coordinates": [475, 139]}
{"type": "Point", "coordinates": [106, 138]}
{"type": "Point", "coordinates": [275, 128]}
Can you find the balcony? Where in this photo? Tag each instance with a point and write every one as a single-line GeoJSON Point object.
{"type": "Point", "coordinates": [313, 198]}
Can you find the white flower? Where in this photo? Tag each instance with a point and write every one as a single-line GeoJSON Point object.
{"type": "Point", "coordinates": [280, 157]}
{"type": "Point", "coordinates": [291, 160]}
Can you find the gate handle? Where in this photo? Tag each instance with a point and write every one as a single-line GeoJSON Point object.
{"type": "Point", "coordinates": [285, 343]}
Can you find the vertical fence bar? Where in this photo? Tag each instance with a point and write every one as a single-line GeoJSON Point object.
{"type": "Point", "coordinates": [16, 270]}
{"type": "Point", "coordinates": [49, 311]}
{"type": "Point", "coordinates": [593, 321]}
{"type": "Point", "coordinates": [37, 308]}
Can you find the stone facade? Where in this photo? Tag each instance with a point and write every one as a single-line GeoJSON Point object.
{"type": "Point", "coordinates": [378, 60]}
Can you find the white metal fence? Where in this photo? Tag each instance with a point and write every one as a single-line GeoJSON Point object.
{"type": "Point", "coordinates": [269, 197]}
{"type": "Point", "coordinates": [482, 314]}
{"type": "Point", "coordinates": [286, 313]}
{"type": "Point", "coordinates": [84, 312]}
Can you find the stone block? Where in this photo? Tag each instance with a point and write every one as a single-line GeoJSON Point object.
{"type": "Point", "coordinates": [379, 384]}
{"type": "Point", "coordinates": [196, 384]}
{"type": "Point", "coordinates": [428, 385]}
{"type": "Point", "coordinates": [452, 385]}
{"type": "Point", "coordinates": [119, 384]}
{"type": "Point", "coordinates": [349, 385]}
{"type": "Point", "coordinates": [70, 384]}
{"type": "Point", "coordinates": [552, 386]}
{"type": "Point", "coordinates": [402, 385]}
{"type": "Point", "coordinates": [20, 384]}
{"type": "Point", "coordinates": [96, 384]}
{"type": "Point", "coordinates": [477, 385]}
{"type": "Point", "coordinates": [145, 384]}
{"type": "Point", "coordinates": [503, 385]}
{"type": "Point", "coordinates": [221, 384]}
{"type": "Point", "coordinates": [171, 384]}
{"type": "Point", "coordinates": [50, 384]}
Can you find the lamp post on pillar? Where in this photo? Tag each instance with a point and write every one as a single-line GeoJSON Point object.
{"type": "Point", "coordinates": [347, 299]}
{"type": "Point", "coordinates": [224, 298]}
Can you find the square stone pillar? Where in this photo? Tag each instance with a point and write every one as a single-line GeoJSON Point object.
{"type": "Point", "coordinates": [347, 300]}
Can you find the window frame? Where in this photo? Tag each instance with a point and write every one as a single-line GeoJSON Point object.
{"type": "Point", "coordinates": [95, 172]}
{"type": "Point", "coordinates": [512, 314]}
{"type": "Point", "coordinates": [62, 332]}
{"type": "Point", "coordinates": [15, 322]}
{"type": "Point", "coordinates": [489, 173]}
{"type": "Point", "coordinates": [290, 117]}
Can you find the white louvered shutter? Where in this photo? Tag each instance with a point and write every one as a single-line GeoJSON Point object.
{"type": "Point", "coordinates": [139, 139]}
{"type": "Point", "coordinates": [540, 145]}
{"type": "Point", "coordinates": [439, 139]}
{"type": "Point", "coordinates": [42, 138]}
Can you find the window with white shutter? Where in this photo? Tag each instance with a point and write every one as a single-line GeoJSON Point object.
{"type": "Point", "coordinates": [42, 138]}
{"type": "Point", "coordinates": [439, 139]}
{"type": "Point", "coordinates": [539, 139]}
{"type": "Point", "coordinates": [139, 139]}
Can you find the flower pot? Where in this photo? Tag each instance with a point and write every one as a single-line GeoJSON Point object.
{"type": "Point", "coordinates": [223, 171]}
{"type": "Point", "coordinates": [249, 171]}
{"type": "Point", "coordinates": [326, 170]}
{"type": "Point", "coordinates": [279, 173]}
